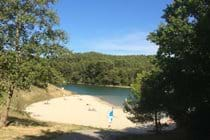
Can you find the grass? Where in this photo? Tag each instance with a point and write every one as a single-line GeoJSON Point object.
{"type": "Point", "coordinates": [22, 128]}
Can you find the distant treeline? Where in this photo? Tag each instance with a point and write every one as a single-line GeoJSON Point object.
{"type": "Point", "coordinates": [99, 69]}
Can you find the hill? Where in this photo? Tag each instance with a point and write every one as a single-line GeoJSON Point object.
{"type": "Point", "coordinates": [100, 69]}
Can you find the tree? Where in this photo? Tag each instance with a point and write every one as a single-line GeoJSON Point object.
{"type": "Point", "coordinates": [100, 69]}
{"type": "Point", "coordinates": [146, 102]}
{"type": "Point", "coordinates": [183, 56]}
{"type": "Point", "coordinates": [28, 36]}
{"type": "Point", "coordinates": [62, 62]}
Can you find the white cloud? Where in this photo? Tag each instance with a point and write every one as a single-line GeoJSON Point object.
{"type": "Point", "coordinates": [131, 43]}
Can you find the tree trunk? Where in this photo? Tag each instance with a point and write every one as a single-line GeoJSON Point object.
{"type": "Point", "coordinates": [4, 117]}
{"type": "Point", "coordinates": [156, 123]}
{"type": "Point", "coordinates": [17, 35]}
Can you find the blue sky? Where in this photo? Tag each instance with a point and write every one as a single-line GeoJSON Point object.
{"type": "Point", "coordinates": [116, 27]}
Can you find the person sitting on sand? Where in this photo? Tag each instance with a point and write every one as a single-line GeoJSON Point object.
{"type": "Point", "coordinates": [91, 109]}
{"type": "Point", "coordinates": [47, 102]}
{"type": "Point", "coordinates": [110, 116]}
{"type": "Point", "coordinates": [64, 97]}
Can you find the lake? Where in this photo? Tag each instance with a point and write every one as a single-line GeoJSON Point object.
{"type": "Point", "coordinates": [113, 95]}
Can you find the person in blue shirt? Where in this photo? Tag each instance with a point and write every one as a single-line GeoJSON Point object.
{"type": "Point", "coordinates": [110, 116]}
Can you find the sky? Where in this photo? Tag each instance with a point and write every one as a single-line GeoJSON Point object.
{"type": "Point", "coordinates": [117, 27]}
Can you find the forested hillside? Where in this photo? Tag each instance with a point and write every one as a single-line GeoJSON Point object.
{"type": "Point", "coordinates": [99, 69]}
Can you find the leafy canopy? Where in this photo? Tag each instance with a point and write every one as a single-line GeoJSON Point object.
{"type": "Point", "coordinates": [182, 84]}
{"type": "Point", "coordinates": [28, 35]}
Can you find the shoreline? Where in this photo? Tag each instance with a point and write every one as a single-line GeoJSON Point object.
{"type": "Point", "coordinates": [98, 96]}
{"type": "Point", "coordinates": [127, 87]}
{"type": "Point", "coordinates": [104, 101]}
{"type": "Point", "coordinates": [100, 99]}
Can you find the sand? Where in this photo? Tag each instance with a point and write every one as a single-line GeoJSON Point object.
{"type": "Point", "coordinates": [80, 110]}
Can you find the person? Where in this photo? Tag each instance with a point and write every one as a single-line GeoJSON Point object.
{"type": "Point", "coordinates": [110, 116]}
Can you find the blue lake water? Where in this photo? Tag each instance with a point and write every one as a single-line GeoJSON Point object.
{"type": "Point", "coordinates": [112, 95]}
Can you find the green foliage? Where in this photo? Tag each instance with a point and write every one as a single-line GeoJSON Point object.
{"type": "Point", "coordinates": [146, 102]}
{"type": "Point", "coordinates": [28, 38]}
{"type": "Point", "coordinates": [46, 74]}
{"type": "Point", "coordinates": [137, 84]}
{"type": "Point", "coordinates": [99, 69]}
{"type": "Point", "coordinates": [183, 57]}
{"type": "Point", "coordinates": [14, 73]}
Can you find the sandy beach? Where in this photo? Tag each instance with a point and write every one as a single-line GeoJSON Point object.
{"type": "Point", "coordinates": [81, 110]}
